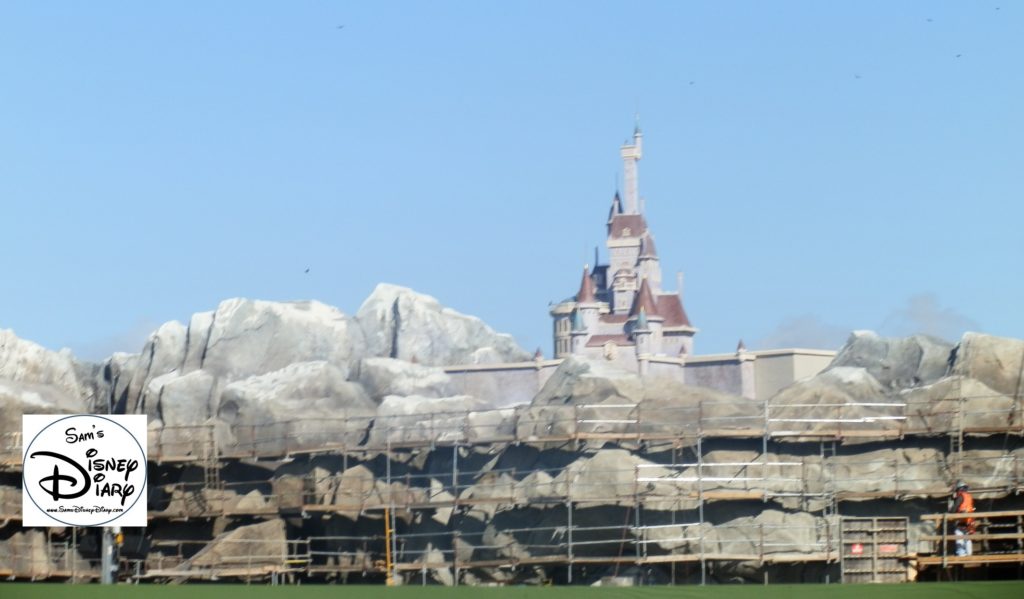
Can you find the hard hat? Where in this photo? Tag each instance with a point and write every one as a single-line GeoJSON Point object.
{"type": "Point", "coordinates": [960, 485]}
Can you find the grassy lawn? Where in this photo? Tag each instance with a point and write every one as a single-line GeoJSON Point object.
{"type": "Point", "coordinates": [960, 590]}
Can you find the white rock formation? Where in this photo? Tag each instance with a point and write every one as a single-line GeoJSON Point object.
{"type": "Point", "coordinates": [400, 323]}
{"type": "Point", "coordinates": [34, 380]}
{"type": "Point", "coordinates": [896, 363]}
{"type": "Point", "coordinates": [387, 376]}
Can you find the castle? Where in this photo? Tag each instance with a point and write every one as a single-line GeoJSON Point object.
{"type": "Point", "coordinates": [621, 306]}
{"type": "Point", "coordinates": [622, 314]}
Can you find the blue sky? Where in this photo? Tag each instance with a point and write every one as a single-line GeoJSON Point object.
{"type": "Point", "coordinates": [812, 167]}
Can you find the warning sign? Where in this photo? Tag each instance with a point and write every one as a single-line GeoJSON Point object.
{"type": "Point", "coordinates": [857, 549]}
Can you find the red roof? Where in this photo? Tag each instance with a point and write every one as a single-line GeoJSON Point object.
{"type": "Point", "coordinates": [670, 307]}
{"type": "Point", "coordinates": [586, 292]}
{"type": "Point", "coordinates": [620, 222]}
{"type": "Point", "coordinates": [644, 299]}
{"type": "Point", "coordinates": [614, 318]}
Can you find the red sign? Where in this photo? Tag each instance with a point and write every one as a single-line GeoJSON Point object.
{"type": "Point", "coordinates": [857, 549]}
{"type": "Point", "coordinates": [888, 548]}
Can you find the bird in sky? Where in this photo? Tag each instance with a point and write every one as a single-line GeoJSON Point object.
{"type": "Point", "coordinates": [959, 55]}
{"type": "Point", "coordinates": [307, 271]}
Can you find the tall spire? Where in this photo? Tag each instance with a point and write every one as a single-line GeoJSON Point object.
{"type": "Point", "coordinates": [586, 292]}
{"type": "Point", "coordinates": [631, 154]}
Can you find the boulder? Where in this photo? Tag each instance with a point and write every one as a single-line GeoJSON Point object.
{"type": "Point", "coordinates": [118, 371]}
{"type": "Point", "coordinates": [387, 376]}
{"type": "Point", "coordinates": [770, 532]}
{"type": "Point", "coordinates": [400, 323]}
{"type": "Point", "coordinates": [957, 401]}
{"type": "Point", "coordinates": [257, 545]}
{"type": "Point", "coordinates": [25, 362]}
{"type": "Point", "coordinates": [588, 397]}
{"type": "Point", "coordinates": [249, 338]}
{"type": "Point", "coordinates": [303, 405]}
{"type": "Point", "coordinates": [896, 363]}
{"type": "Point", "coordinates": [608, 477]}
{"type": "Point", "coordinates": [197, 338]}
{"type": "Point", "coordinates": [909, 471]}
{"type": "Point", "coordinates": [18, 398]}
{"type": "Point", "coordinates": [840, 398]}
{"type": "Point", "coordinates": [26, 555]}
{"type": "Point", "coordinates": [34, 380]}
{"type": "Point", "coordinates": [423, 419]}
{"type": "Point", "coordinates": [997, 362]}
{"type": "Point", "coordinates": [180, 400]}
{"type": "Point", "coordinates": [163, 353]}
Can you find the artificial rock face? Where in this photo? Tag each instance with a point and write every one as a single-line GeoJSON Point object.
{"type": "Point", "coordinates": [400, 323]}
{"type": "Point", "coordinates": [896, 363]}
{"type": "Point", "coordinates": [251, 369]}
{"type": "Point", "coordinates": [34, 380]}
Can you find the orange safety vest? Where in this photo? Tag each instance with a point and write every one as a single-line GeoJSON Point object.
{"type": "Point", "coordinates": [966, 507]}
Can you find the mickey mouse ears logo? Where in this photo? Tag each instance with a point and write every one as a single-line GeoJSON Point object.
{"type": "Point", "coordinates": [84, 470]}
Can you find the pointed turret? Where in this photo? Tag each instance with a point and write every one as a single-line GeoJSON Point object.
{"type": "Point", "coordinates": [586, 292]}
{"type": "Point", "coordinates": [741, 347]}
{"type": "Point", "coordinates": [644, 301]}
{"type": "Point", "coordinates": [616, 207]}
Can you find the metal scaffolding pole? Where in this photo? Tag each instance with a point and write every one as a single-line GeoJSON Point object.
{"type": "Point", "coordinates": [568, 509]}
{"type": "Point", "coordinates": [700, 505]}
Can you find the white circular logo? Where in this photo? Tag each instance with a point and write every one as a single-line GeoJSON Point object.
{"type": "Point", "coordinates": [85, 470]}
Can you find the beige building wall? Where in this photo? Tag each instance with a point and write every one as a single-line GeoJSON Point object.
{"type": "Point", "coordinates": [778, 368]}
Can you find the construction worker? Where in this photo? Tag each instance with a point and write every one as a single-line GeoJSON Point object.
{"type": "Point", "coordinates": [963, 503]}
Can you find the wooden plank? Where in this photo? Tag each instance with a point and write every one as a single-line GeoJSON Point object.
{"type": "Point", "coordinates": [1000, 558]}
{"type": "Point", "coordinates": [1003, 514]}
{"type": "Point", "coordinates": [976, 537]}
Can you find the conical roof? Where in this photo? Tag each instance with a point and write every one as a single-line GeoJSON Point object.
{"type": "Point", "coordinates": [586, 292]}
{"type": "Point", "coordinates": [644, 300]}
{"type": "Point", "coordinates": [616, 207]}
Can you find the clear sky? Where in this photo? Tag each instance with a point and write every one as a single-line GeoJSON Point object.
{"type": "Point", "coordinates": [813, 167]}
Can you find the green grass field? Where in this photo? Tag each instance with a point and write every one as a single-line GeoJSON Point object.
{"type": "Point", "coordinates": [959, 590]}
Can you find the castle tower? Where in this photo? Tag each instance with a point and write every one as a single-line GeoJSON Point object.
{"type": "Point", "coordinates": [642, 338]}
{"type": "Point", "coordinates": [578, 334]}
{"type": "Point", "coordinates": [653, 322]}
{"type": "Point", "coordinates": [631, 154]}
{"type": "Point", "coordinates": [647, 265]}
{"type": "Point", "coordinates": [586, 301]}
{"type": "Point", "coordinates": [605, 311]}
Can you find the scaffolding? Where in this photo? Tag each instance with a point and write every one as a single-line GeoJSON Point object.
{"type": "Point", "coordinates": [649, 493]}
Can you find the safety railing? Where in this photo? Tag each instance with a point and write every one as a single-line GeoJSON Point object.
{"type": "Point", "coordinates": [741, 417]}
